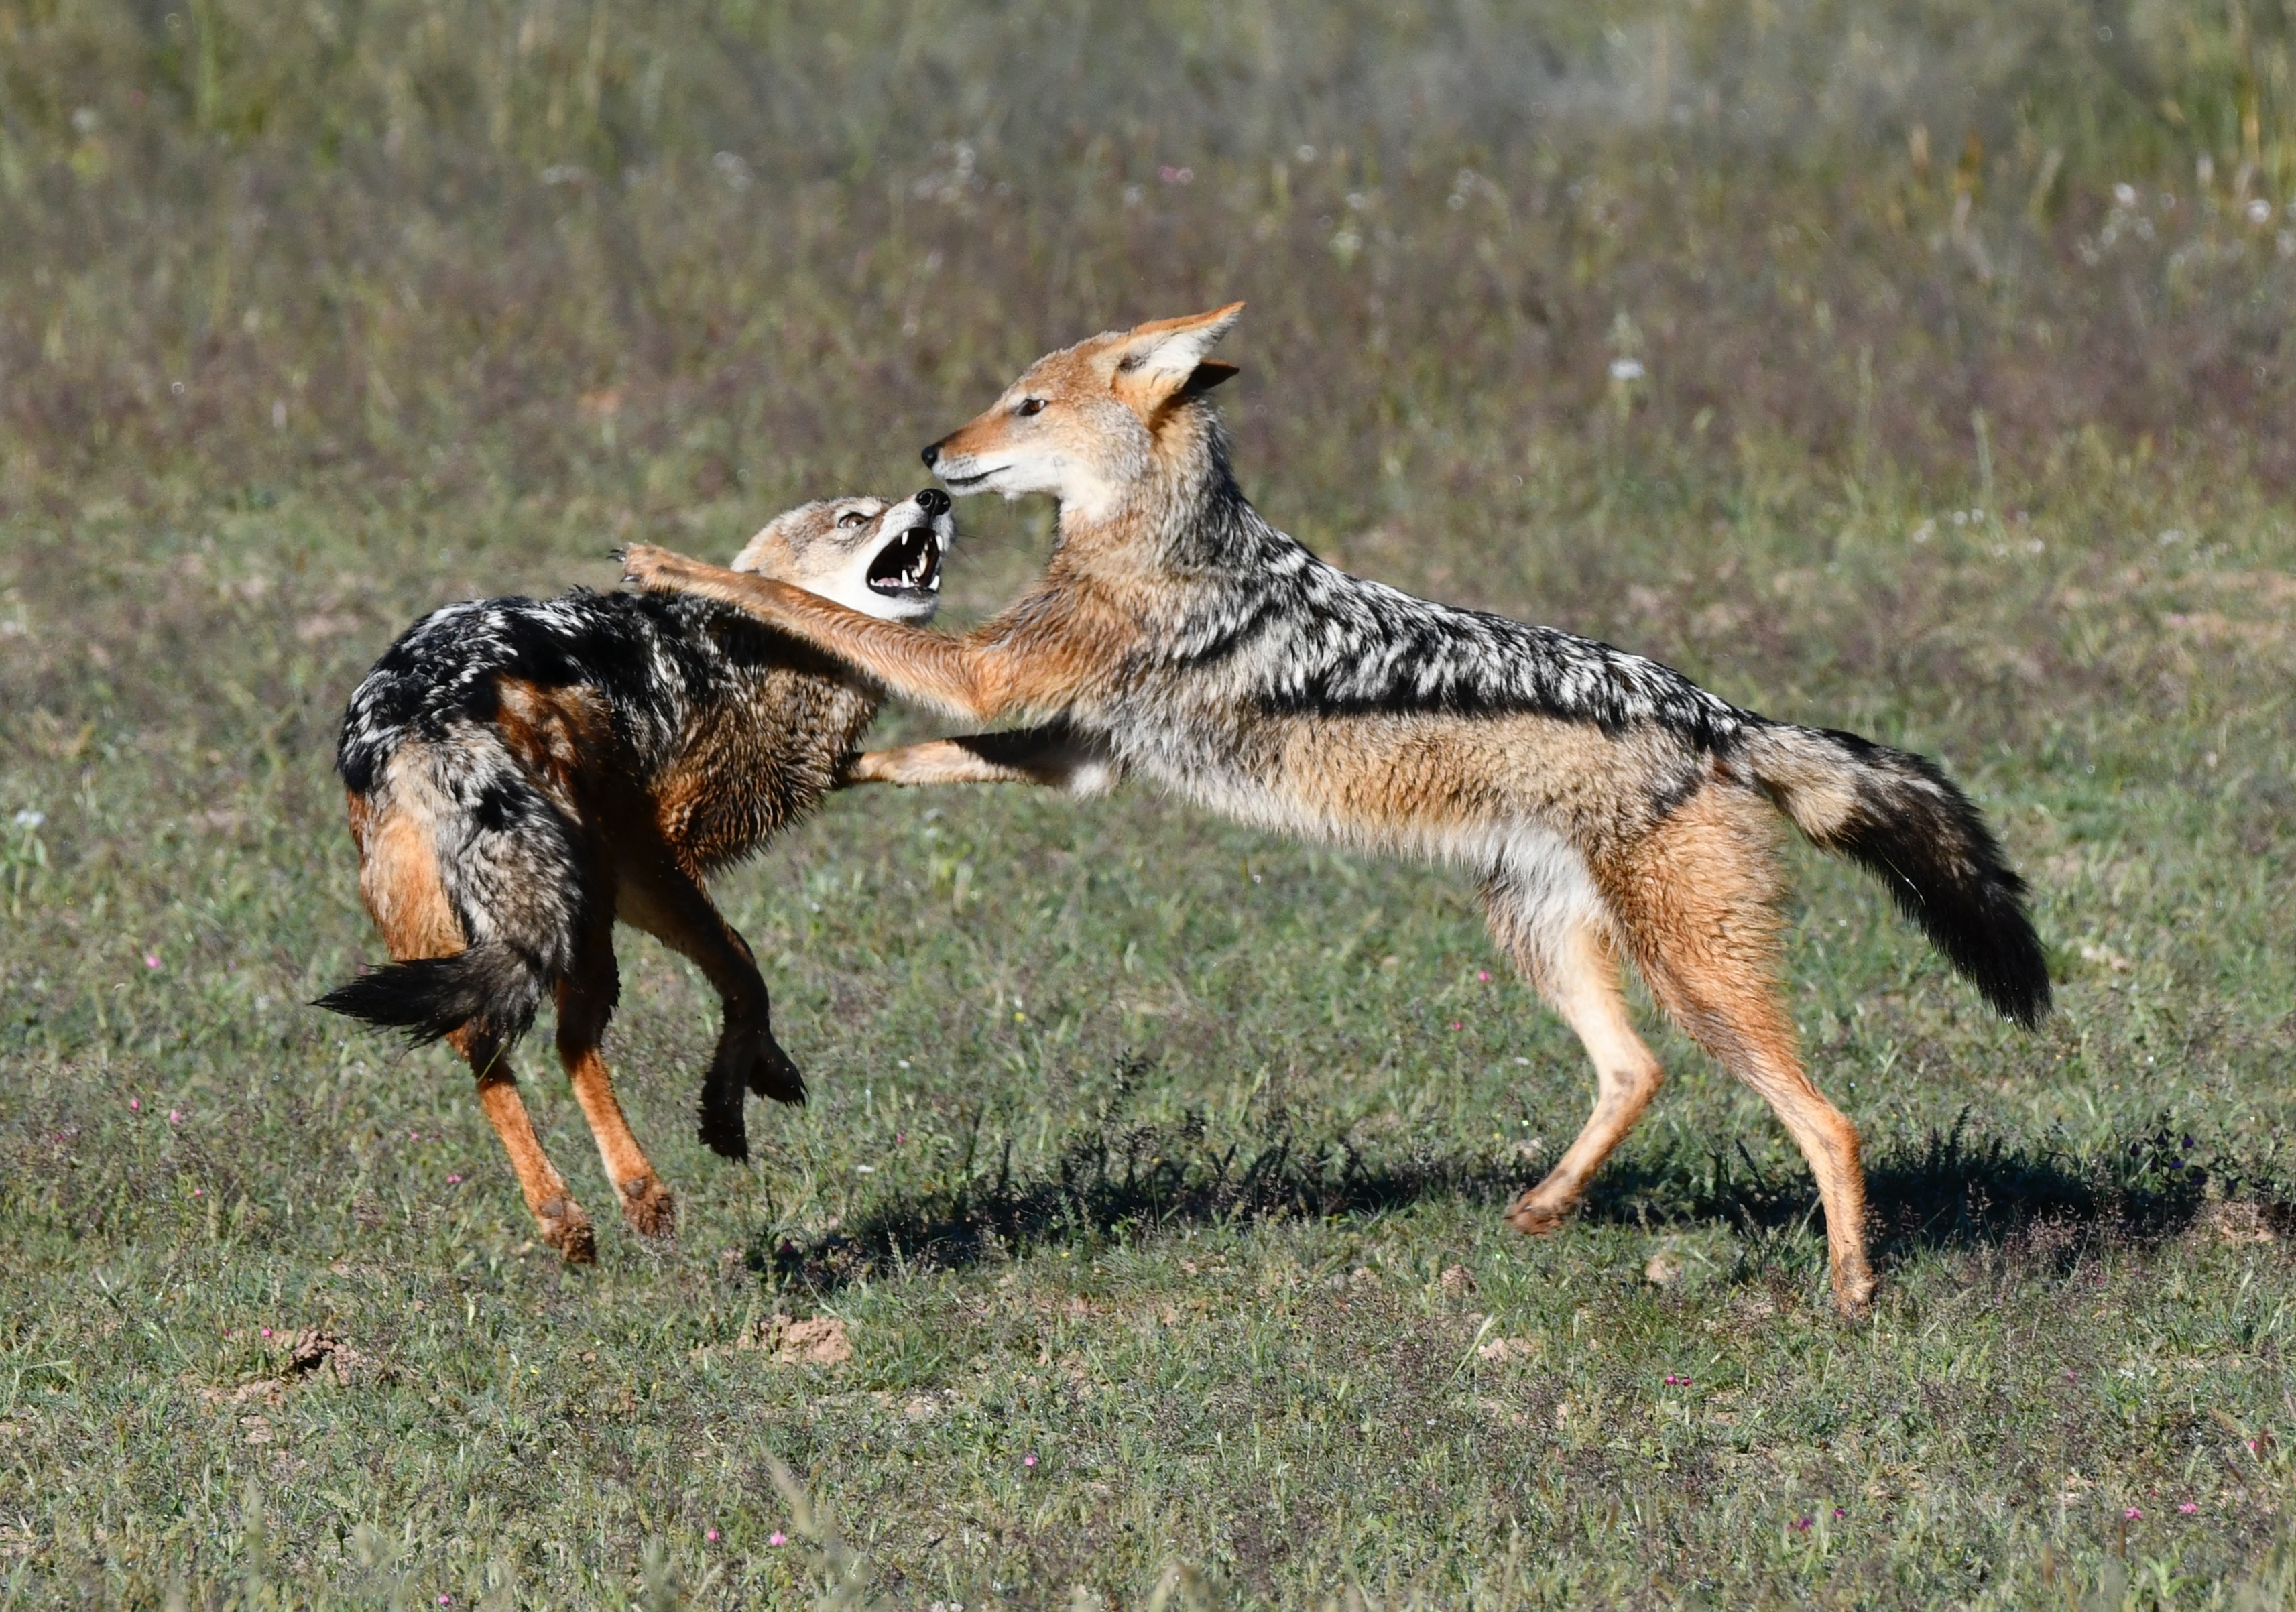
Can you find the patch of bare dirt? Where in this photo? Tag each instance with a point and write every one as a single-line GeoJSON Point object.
{"type": "Point", "coordinates": [818, 1342]}
{"type": "Point", "coordinates": [313, 1356]}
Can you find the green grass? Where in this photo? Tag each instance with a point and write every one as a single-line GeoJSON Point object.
{"type": "Point", "coordinates": [1166, 1154]}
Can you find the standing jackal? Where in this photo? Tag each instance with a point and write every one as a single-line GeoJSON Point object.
{"type": "Point", "coordinates": [521, 772]}
{"type": "Point", "coordinates": [1611, 807]}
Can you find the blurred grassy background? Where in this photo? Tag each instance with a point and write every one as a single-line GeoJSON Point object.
{"type": "Point", "coordinates": [396, 244]}
{"type": "Point", "coordinates": [1911, 367]}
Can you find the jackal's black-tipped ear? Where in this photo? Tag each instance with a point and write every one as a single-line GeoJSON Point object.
{"type": "Point", "coordinates": [1209, 374]}
{"type": "Point", "coordinates": [1166, 356]}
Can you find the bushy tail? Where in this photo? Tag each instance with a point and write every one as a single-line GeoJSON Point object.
{"type": "Point", "coordinates": [1901, 816]}
{"type": "Point", "coordinates": [504, 858]}
{"type": "Point", "coordinates": [493, 989]}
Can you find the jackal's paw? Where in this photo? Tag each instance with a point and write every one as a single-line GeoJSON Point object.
{"type": "Point", "coordinates": [645, 566]}
{"type": "Point", "coordinates": [648, 1207]}
{"type": "Point", "coordinates": [1536, 1218]}
{"type": "Point", "coordinates": [773, 1075]}
{"type": "Point", "coordinates": [565, 1228]}
{"type": "Point", "coordinates": [871, 766]}
{"type": "Point", "coordinates": [1853, 1295]}
{"type": "Point", "coordinates": [722, 1130]}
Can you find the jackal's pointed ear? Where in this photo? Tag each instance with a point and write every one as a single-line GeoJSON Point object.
{"type": "Point", "coordinates": [1166, 356]}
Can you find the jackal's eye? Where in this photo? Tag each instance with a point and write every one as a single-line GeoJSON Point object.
{"type": "Point", "coordinates": [852, 518]}
{"type": "Point", "coordinates": [1027, 407]}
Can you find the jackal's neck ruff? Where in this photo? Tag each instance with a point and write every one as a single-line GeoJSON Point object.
{"type": "Point", "coordinates": [1176, 512]}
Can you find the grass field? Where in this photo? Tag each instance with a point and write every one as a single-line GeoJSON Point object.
{"type": "Point", "coordinates": [1153, 1170]}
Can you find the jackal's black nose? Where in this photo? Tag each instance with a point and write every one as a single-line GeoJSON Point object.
{"type": "Point", "coordinates": [932, 500]}
{"type": "Point", "coordinates": [931, 455]}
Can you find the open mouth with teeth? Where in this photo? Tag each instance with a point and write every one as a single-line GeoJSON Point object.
{"type": "Point", "coordinates": [909, 564]}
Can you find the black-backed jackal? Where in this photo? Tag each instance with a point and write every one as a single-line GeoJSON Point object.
{"type": "Point", "coordinates": [1611, 809]}
{"type": "Point", "coordinates": [522, 772]}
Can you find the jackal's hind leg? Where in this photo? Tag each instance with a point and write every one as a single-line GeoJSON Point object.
{"type": "Point", "coordinates": [560, 1219]}
{"type": "Point", "coordinates": [665, 902]}
{"type": "Point", "coordinates": [586, 1003]}
{"type": "Point", "coordinates": [1571, 961]}
{"type": "Point", "coordinates": [1698, 904]}
{"type": "Point", "coordinates": [400, 882]}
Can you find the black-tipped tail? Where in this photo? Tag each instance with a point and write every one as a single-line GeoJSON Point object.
{"type": "Point", "coordinates": [1946, 872]}
{"type": "Point", "coordinates": [1897, 815]}
{"type": "Point", "coordinates": [493, 989]}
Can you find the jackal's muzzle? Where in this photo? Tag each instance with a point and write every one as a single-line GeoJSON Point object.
{"type": "Point", "coordinates": [908, 566]}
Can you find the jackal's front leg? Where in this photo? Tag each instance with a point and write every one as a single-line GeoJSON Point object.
{"type": "Point", "coordinates": [931, 668]}
{"type": "Point", "coordinates": [1572, 964]}
{"type": "Point", "coordinates": [1056, 757]}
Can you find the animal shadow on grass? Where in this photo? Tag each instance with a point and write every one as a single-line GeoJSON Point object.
{"type": "Point", "coordinates": [1111, 1182]}
{"type": "Point", "coordinates": [1953, 1189]}
{"type": "Point", "coordinates": [1114, 1181]}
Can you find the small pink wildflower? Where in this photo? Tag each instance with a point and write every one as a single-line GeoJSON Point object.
{"type": "Point", "coordinates": [2133, 1514]}
{"type": "Point", "coordinates": [1027, 1461]}
{"type": "Point", "coordinates": [199, 1191]}
{"type": "Point", "coordinates": [711, 1536]}
{"type": "Point", "coordinates": [266, 1331]}
{"type": "Point", "coordinates": [454, 1181]}
{"type": "Point", "coordinates": [2185, 1507]}
{"type": "Point", "coordinates": [1801, 1525]}
{"type": "Point", "coordinates": [777, 1539]}
{"type": "Point", "coordinates": [1674, 1381]}
{"type": "Point", "coordinates": [446, 1600]}
{"type": "Point", "coordinates": [150, 960]}
{"type": "Point", "coordinates": [1456, 1025]}
{"type": "Point", "coordinates": [136, 1104]}
{"type": "Point", "coordinates": [174, 1117]}
{"type": "Point", "coordinates": [1839, 1513]}
{"type": "Point", "coordinates": [1483, 975]}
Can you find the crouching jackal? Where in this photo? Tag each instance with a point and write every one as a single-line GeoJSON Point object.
{"type": "Point", "coordinates": [1611, 808]}
{"type": "Point", "coordinates": [522, 772]}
